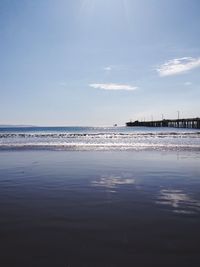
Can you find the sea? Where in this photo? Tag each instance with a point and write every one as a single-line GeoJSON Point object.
{"type": "Point", "coordinates": [99, 138]}
{"type": "Point", "coordinates": [99, 197]}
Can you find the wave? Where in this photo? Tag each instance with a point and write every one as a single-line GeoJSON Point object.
{"type": "Point", "coordinates": [100, 139]}
{"type": "Point", "coordinates": [100, 135]}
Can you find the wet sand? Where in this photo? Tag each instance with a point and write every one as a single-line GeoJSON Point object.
{"type": "Point", "coordinates": [62, 208]}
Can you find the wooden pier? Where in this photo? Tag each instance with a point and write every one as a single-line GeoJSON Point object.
{"type": "Point", "coordinates": [193, 123]}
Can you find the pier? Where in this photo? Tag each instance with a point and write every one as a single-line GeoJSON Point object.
{"type": "Point", "coordinates": [193, 123]}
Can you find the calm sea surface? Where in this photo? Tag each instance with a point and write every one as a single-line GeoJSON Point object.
{"type": "Point", "coordinates": [112, 197]}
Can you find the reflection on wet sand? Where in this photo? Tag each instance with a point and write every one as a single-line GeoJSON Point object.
{"type": "Point", "coordinates": [179, 201]}
{"type": "Point", "coordinates": [99, 209]}
{"type": "Point", "coordinates": [111, 182]}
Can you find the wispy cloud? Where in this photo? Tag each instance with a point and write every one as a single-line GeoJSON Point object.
{"type": "Point", "coordinates": [108, 68]}
{"type": "Point", "coordinates": [187, 83]}
{"type": "Point", "coordinates": [113, 86]}
{"type": "Point", "coordinates": [178, 66]}
{"type": "Point", "coordinates": [62, 84]}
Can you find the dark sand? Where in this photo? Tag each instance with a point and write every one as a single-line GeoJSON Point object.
{"type": "Point", "coordinates": [99, 209]}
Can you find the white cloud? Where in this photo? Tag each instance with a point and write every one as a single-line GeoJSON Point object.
{"type": "Point", "coordinates": [113, 86]}
{"type": "Point", "coordinates": [108, 68]}
{"type": "Point", "coordinates": [178, 66]}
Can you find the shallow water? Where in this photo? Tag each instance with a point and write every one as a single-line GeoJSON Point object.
{"type": "Point", "coordinates": [108, 208]}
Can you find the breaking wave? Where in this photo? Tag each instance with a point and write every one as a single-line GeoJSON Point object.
{"type": "Point", "coordinates": [120, 138]}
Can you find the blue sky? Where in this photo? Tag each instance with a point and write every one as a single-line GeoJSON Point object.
{"type": "Point", "coordinates": [98, 62]}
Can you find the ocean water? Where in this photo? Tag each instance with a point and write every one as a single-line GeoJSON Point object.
{"type": "Point", "coordinates": [99, 138]}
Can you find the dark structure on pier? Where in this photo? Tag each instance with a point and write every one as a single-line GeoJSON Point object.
{"type": "Point", "coordinates": [193, 123]}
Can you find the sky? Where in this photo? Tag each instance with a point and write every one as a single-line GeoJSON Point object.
{"type": "Point", "coordinates": [98, 62]}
